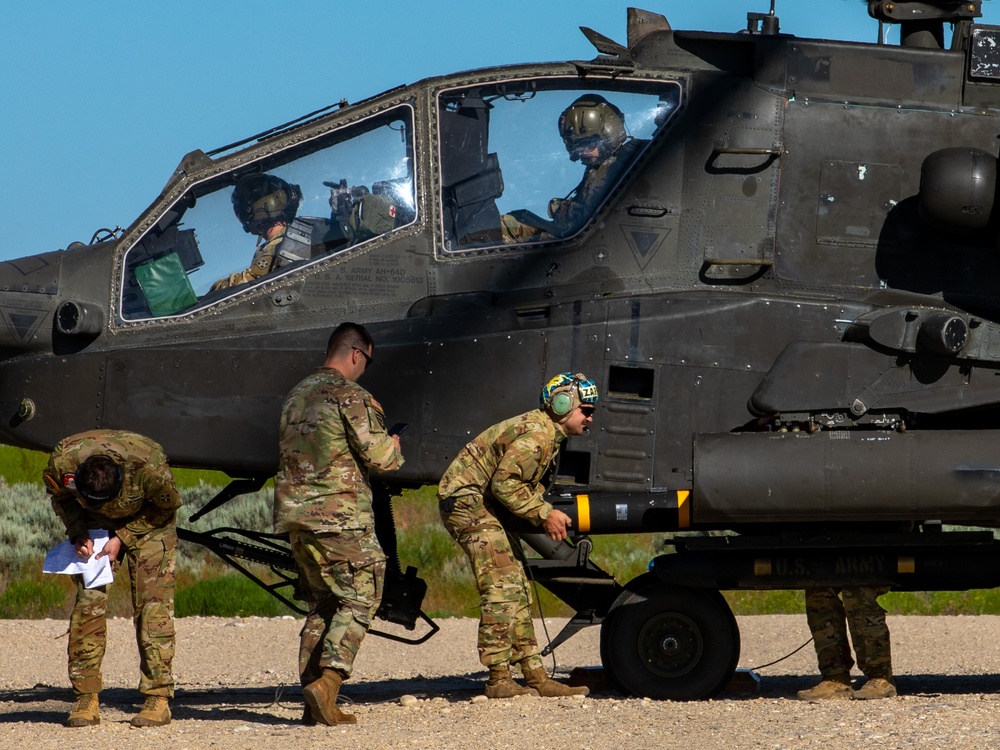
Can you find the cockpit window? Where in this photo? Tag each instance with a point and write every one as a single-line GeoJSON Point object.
{"type": "Point", "coordinates": [279, 214]}
{"type": "Point", "coordinates": [534, 160]}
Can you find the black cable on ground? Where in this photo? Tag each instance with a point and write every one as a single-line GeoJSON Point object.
{"type": "Point", "coordinates": [776, 661]}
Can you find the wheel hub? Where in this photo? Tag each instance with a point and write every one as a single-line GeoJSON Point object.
{"type": "Point", "coordinates": [670, 644]}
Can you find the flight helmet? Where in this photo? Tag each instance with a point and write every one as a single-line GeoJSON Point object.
{"type": "Point", "coordinates": [592, 121]}
{"type": "Point", "coordinates": [260, 200]}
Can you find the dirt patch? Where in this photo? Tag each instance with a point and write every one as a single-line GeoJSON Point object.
{"type": "Point", "coordinates": [237, 688]}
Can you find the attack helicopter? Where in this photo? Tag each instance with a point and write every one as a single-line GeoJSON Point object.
{"type": "Point", "coordinates": [784, 289]}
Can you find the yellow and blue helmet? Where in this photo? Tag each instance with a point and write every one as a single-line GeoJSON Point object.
{"type": "Point", "coordinates": [565, 392]}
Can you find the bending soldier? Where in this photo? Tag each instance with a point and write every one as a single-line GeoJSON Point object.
{"type": "Point", "coordinates": [504, 466]}
{"type": "Point", "coordinates": [119, 481]}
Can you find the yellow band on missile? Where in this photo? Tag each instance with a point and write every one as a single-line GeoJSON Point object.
{"type": "Point", "coordinates": [683, 509]}
{"type": "Point", "coordinates": [583, 513]}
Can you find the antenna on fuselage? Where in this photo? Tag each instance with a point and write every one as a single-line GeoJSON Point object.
{"type": "Point", "coordinates": [766, 24]}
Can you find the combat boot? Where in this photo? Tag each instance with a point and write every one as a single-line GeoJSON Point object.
{"type": "Point", "coordinates": [546, 687]}
{"type": "Point", "coordinates": [827, 690]}
{"type": "Point", "coordinates": [86, 712]}
{"type": "Point", "coordinates": [321, 700]}
{"type": "Point", "coordinates": [155, 712]}
{"type": "Point", "coordinates": [875, 688]}
{"type": "Point", "coordinates": [501, 685]}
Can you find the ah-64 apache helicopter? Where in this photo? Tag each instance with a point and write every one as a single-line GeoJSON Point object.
{"type": "Point", "coordinates": [785, 288]}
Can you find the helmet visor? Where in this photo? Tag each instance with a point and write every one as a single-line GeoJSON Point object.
{"type": "Point", "coordinates": [578, 148]}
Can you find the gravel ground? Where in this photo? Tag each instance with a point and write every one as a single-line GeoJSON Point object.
{"type": "Point", "coordinates": [237, 688]}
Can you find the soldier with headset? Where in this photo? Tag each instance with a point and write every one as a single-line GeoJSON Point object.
{"type": "Point", "coordinates": [504, 466]}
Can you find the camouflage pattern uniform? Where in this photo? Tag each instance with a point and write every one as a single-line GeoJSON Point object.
{"type": "Point", "coordinates": [261, 265]}
{"type": "Point", "coordinates": [570, 213]}
{"type": "Point", "coordinates": [332, 432]}
{"type": "Point", "coordinates": [828, 617]}
{"type": "Point", "coordinates": [505, 464]}
{"type": "Point", "coordinates": [143, 517]}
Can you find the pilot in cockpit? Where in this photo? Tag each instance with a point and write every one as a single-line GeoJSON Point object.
{"type": "Point", "coordinates": [266, 206]}
{"type": "Point", "coordinates": [593, 131]}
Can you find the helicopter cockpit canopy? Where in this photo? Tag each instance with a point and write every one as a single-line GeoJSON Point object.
{"type": "Point", "coordinates": [356, 183]}
{"type": "Point", "coordinates": [507, 175]}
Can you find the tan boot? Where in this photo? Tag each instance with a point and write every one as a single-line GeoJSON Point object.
{"type": "Point", "coordinates": [155, 712]}
{"type": "Point", "coordinates": [827, 690]}
{"type": "Point", "coordinates": [321, 699]}
{"type": "Point", "coordinates": [501, 685]}
{"type": "Point", "coordinates": [538, 679]}
{"type": "Point", "coordinates": [875, 688]}
{"type": "Point", "coordinates": [86, 712]}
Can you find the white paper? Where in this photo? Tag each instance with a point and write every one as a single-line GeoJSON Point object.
{"type": "Point", "coordinates": [96, 571]}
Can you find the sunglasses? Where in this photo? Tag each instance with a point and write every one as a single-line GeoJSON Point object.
{"type": "Point", "coordinates": [587, 411]}
{"type": "Point", "coordinates": [368, 358]}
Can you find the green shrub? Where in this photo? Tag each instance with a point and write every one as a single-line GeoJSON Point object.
{"type": "Point", "coordinates": [781, 602]}
{"type": "Point", "coordinates": [30, 599]}
{"type": "Point", "coordinates": [21, 466]}
{"type": "Point", "coordinates": [974, 602]}
{"type": "Point", "coordinates": [229, 595]}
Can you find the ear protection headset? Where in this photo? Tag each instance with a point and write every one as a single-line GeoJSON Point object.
{"type": "Point", "coordinates": [562, 403]}
{"type": "Point", "coordinates": [565, 392]}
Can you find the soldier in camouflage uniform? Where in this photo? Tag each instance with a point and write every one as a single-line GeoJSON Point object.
{"type": "Point", "coordinates": [265, 206]}
{"type": "Point", "coordinates": [593, 130]}
{"type": "Point", "coordinates": [827, 611]}
{"type": "Point", "coordinates": [331, 434]}
{"type": "Point", "coordinates": [119, 481]}
{"type": "Point", "coordinates": [504, 466]}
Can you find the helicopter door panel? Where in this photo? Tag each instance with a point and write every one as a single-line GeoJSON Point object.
{"type": "Point", "coordinates": [859, 225]}
{"type": "Point", "coordinates": [854, 198]}
{"type": "Point", "coordinates": [475, 381]}
{"type": "Point", "coordinates": [742, 180]}
{"type": "Point", "coordinates": [627, 427]}
{"type": "Point", "coordinates": [628, 415]}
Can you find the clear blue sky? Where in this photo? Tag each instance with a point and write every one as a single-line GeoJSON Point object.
{"type": "Point", "coordinates": [102, 99]}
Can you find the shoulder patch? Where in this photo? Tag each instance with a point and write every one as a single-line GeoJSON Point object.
{"type": "Point", "coordinates": [69, 481]}
{"type": "Point", "coordinates": [376, 405]}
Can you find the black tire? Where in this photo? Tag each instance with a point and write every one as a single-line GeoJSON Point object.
{"type": "Point", "coordinates": [669, 642]}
